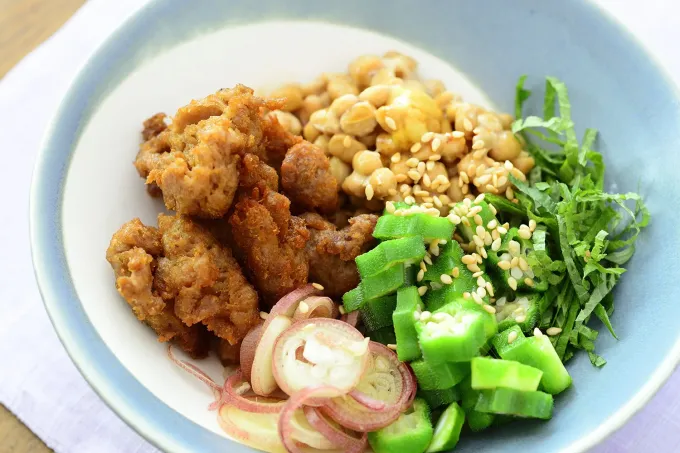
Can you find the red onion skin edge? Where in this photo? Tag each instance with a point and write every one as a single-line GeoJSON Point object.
{"type": "Point", "coordinates": [348, 443]}
{"type": "Point", "coordinates": [233, 398]}
{"type": "Point", "coordinates": [288, 303]}
{"type": "Point", "coordinates": [351, 318]}
{"type": "Point", "coordinates": [295, 402]}
{"type": "Point", "coordinates": [367, 401]}
{"type": "Point", "coordinates": [248, 348]}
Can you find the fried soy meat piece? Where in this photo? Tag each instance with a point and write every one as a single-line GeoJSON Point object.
{"type": "Point", "coordinates": [204, 280]}
{"type": "Point", "coordinates": [307, 180]}
{"type": "Point", "coordinates": [331, 251]}
{"type": "Point", "coordinates": [154, 126]}
{"type": "Point", "coordinates": [271, 242]}
{"type": "Point", "coordinates": [132, 254]}
{"type": "Point", "coordinates": [195, 160]}
{"type": "Point", "coordinates": [277, 140]}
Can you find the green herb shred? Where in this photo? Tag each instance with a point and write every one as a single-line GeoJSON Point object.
{"type": "Point", "coordinates": [585, 235]}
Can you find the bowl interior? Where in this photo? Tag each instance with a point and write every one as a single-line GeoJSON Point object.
{"type": "Point", "coordinates": [86, 186]}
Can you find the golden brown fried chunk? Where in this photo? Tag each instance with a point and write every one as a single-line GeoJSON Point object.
{"type": "Point", "coordinates": [195, 161]}
{"type": "Point", "coordinates": [204, 280]}
{"type": "Point", "coordinates": [277, 140]}
{"type": "Point", "coordinates": [331, 252]}
{"type": "Point", "coordinates": [132, 253]}
{"type": "Point", "coordinates": [194, 340]}
{"type": "Point", "coordinates": [154, 126]}
{"type": "Point", "coordinates": [306, 178]}
{"type": "Point", "coordinates": [256, 173]}
{"type": "Point", "coordinates": [271, 241]}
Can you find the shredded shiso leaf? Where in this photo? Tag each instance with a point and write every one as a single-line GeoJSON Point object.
{"type": "Point", "coordinates": [585, 235]}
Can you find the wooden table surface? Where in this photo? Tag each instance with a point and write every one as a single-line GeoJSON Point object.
{"type": "Point", "coordinates": [24, 24]}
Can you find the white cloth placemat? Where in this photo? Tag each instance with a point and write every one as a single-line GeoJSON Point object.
{"type": "Point", "coordinates": [38, 382]}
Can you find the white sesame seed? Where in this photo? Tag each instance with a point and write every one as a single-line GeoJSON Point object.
{"type": "Point", "coordinates": [430, 166]}
{"type": "Point", "coordinates": [303, 307]}
{"type": "Point", "coordinates": [496, 245]}
{"type": "Point", "coordinates": [480, 281]}
{"type": "Point", "coordinates": [516, 273]}
{"type": "Point", "coordinates": [468, 259]}
{"type": "Point", "coordinates": [508, 165]}
{"type": "Point", "coordinates": [489, 289]}
{"type": "Point", "coordinates": [529, 282]}
{"type": "Point", "coordinates": [369, 192]}
{"type": "Point", "coordinates": [489, 309]}
{"type": "Point", "coordinates": [464, 177]}
{"type": "Point", "coordinates": [479, 221]}
{"type": "Point", "coordinates": [416, 147]}
{"type": "Point", "coordinates": [478, 241]}
{"type": "Point", "coordinates": [420, 275]}
{"type": "Point", "coordinates": [318, 286]}
{"type": "Point", "coordinates": [446, 279]}
{"type": "Point", "coordinates": [493, 209]}
{"type": "Point", "coordinates": [509, 193]}
{"type": "Point", "coordinates": [478, 274]}
{"type": "Point", "coordinates": [434, 250]}
{"type": "Point", "coordinates": [426, 137]}
{"type": "Point", "coordinates": [405, 188]}
{"type": "Point", "coordinates": [480, 230]}
{"type": "Point", "coordinates": [491, 188]}
{"type": "Point", "coordinates": [389, 207]}
{"type": "Point", "coordinates": [482, 251]}
{"type": "Point", "coordinates": [466, 295]}
{"type": "Point", "coordinates": [524, 233]}
{"type": "Point", "coordinates": [514, 248]}
{"type": "Point", "coordinates": [428, 260]}
{"type": "Point", "coordinates": [422, 266]}
{"type": "Point", "coordinates": [532, 225]}
{"type": "Point", "coordinates": [482, 180]}
{"type": "Point", "coordinates": [492, 224]}
{"type": "Point", "coordinates": [421, 193]}
{"type": "Point", "coordinates": [457, 134]}
{"type": "Point", "coordinates": [414, 175]}
{"type": "Point", "coordinates": [435, 157]}
{"type": "Point", "coordinates": [473, 268]}
{"type": "Point", "coordinates": [424, 316]}
{"type": "Point", "coordinates": [422, 290]}
{"type": "Point", "coordinates": [481, 291]}
{"type": "Point", "coordinates": [453, 218]}
{"type": "Point", "coordinates": [503, 180]}
{"type": "Point", "coordinates": [521, 318]}
{"type": "Point", "coordinates": [409, 200]}
{"type": "Point", "coordinates": [436, 143]}
{"type": "Point", "coordinates": [395, 157]}
{"type": "Point", "coordinates": [552, 331]}
{"type": "Point", "coordinates": [523, 264]}
{"type": "Point", "coordinates": [512, 336]}
{"type": "Point", "coordinates": [494, 179]}
{"type": "Point", "coordinates": [392, 346]}
{"type": "Point", "coordinates": [264, 315]}
{"type": "Point", "coordinates": [476, 298]}
{"type": "Point", "coordinates": [392, 192]}
{"type": "Point", "coordinates": [467, 124]}
{"type": "Point", "coordinates": [347, 141]}
{"type": "Point", "coordinates": [416, 315]}
{"type": "Point", "coordinates": [400, 177]}
{"type": "Point", "coordinates": [412, 162]}
{"type": "Point", "coordinates": [538, 333]}
{"type": "Point", "coordinates": [455, 272]}
{"type": "Point", "coordinates": [502, 230]}
{"type": "Point", "coordinates": [514, 262]}
{"type": "Point", "coordinates": [421, 167]}
{"type": "Point", "coordinates": [512, 283]}
{"type": "Point", "coordinates": [478, 258]}
{"type": "Point", "coordinates": [505, 265]}
{"type": "Point", "coordinates": [495, 235]}
{"type": "Point", "coordinates": [391, 123]}
{"type": "Point", "coordinates": [438, 202]}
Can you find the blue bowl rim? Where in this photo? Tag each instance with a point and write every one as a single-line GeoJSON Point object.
{"type": "Point", "coordinates": [41, 227]}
